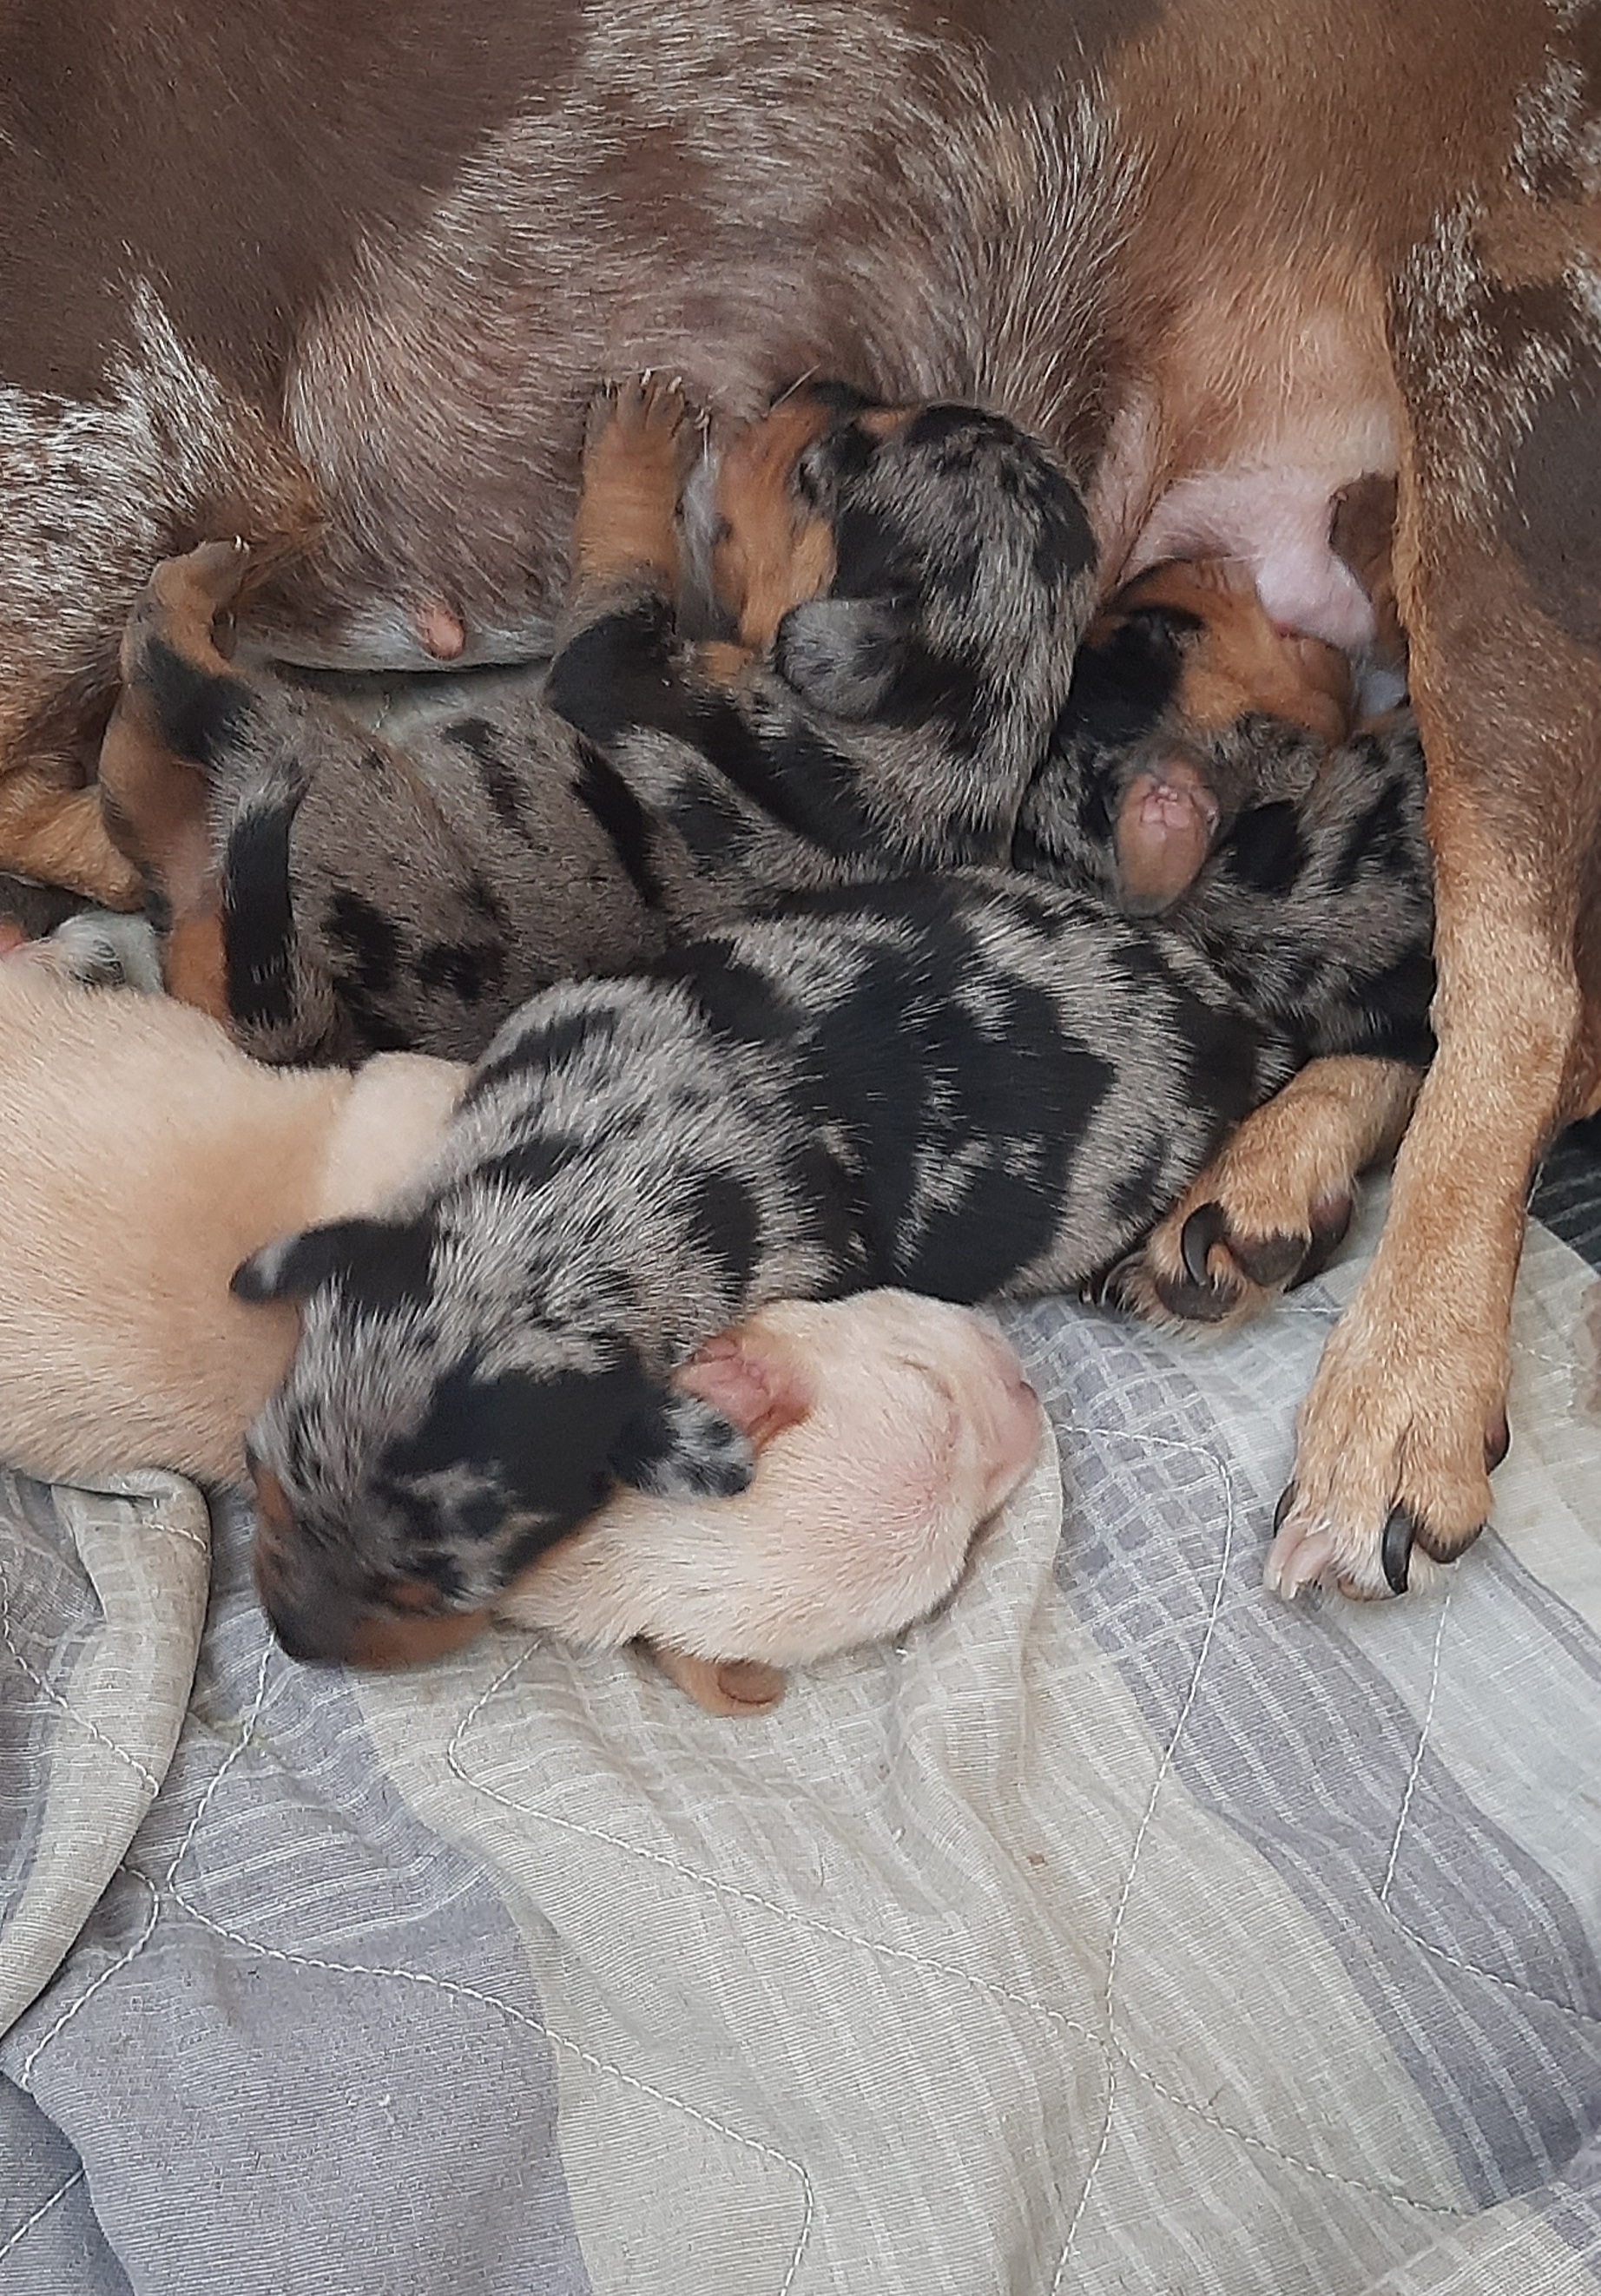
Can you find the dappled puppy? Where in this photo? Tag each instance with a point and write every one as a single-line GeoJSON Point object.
{"type": "Point", "coordinates": [970, 1087]}
{"type": "Point", "coordinates": [885, 1428]}
{"type": "Point", "coordinates": [907, 585]}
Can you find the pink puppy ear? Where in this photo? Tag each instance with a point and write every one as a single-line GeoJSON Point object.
{"type": "Point", "coordinates": [761, 1388]}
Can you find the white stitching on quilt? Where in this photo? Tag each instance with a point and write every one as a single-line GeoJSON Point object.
{"type": "Point", "coordinates": [455, 1987]}
{"type": "Point", "coordinates": [1110, 2047]}
{"type": "Point", "coordinates": [1437, 1952]}
{"type": "Point", "coordinates": [39, 2214]}
{"type": "Point", "coordinates": [94, 1984]}
{"type": "Point", "coordinates": [146, 1776]}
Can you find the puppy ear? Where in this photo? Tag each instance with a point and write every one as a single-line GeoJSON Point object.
{"type": "Point", "coordinates": [762, 1388]}
{"type": "Point", "coordinates": [382, 1259]}
{"type": "Point", "coordinates": [676, 1447]}
{"type": "Point", "coordinates": [843, 654]}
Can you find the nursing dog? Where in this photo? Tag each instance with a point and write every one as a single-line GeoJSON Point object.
{"type": "Point", "coordinates": [1221, 295]}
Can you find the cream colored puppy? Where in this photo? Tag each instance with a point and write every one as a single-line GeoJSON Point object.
{"type": "Point", "coordinates": [143, 1158]}
{"type": "Point", "coordinates": [146, 1157]}
{"type": "Point", "coordinates": [887, 1429]}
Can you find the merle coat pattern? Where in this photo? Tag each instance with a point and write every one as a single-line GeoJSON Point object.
{"type": "Point", "coordinates": [969, 1087]}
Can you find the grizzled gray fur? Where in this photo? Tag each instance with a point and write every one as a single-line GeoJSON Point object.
{"type": "Point", "coordinates": [972, 1086]}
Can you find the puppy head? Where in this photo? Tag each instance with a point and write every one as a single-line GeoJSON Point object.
{"type": "Point", "coordinates": [1181, 664]}
{"type": "Point", "coordinates": [428, 1441]}
{"type": "Point", "coordinates": [934, 559]}
{"type": "Point", "coordinates": [887, 1428]}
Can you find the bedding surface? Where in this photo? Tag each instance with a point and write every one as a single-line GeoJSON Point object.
{"type": "Point", "coordinates": [1119, 1930]}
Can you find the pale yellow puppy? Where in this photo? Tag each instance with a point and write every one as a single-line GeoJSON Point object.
{"type": "Point", "coordinates": [887, 1428]}
{"type": "Point", "coordinates": [143, 1157]}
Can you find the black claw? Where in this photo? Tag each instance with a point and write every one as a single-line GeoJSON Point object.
{"type": "Point", "coordinates": [1205, 1227]}
{"type": "Point", "coordinates": [1197, 1303]}
{"type": "Point", "coordinates": [1497, 1443]}
{"type": "Point", "coordinates": [1270, 1261]}
{"type": "Point", "coordinates": [1329, 1234]}
{"type": "Point", "coordinates": [1286, 1500]}
{"type": "Point", "coordinates": [1444, 1550]}
{"type": "Point", "coordinates": [1396, 1551]}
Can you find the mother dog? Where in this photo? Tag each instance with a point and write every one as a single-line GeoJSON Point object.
{"type": "Point", "coordinates": [350, 274]}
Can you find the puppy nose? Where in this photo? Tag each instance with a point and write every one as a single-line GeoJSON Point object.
{"type": "Point", "coordinates": [316, 1633]}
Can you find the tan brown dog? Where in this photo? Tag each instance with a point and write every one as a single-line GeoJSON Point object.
{"type": "Point", "coordinates": [147, 1156]}
{"type": "Point", "coordinates": [1201, 247]}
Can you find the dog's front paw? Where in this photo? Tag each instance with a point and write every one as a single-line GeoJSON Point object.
{"type": "Point", "coordinates": [1397, 1441]}
{"type": "Point", "coordinates": [1273, 1207]}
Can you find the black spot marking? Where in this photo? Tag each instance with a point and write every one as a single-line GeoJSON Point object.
{"type": "Point", "coordinates": [470, 973]}
{"type": "Point", "coordinates": [370, 939]}
{"type": "Point", "coordinates": [721, 1221]}
{"type": "Point", "coordinates": [501, 784]}
{"type": "Point", "coordinates": [258, 918]}
{"type": "Point", "coordinates": [604, 792]}
{"type": "Point", "coordinates": [1267, 848]}
{"type": "Point", "coordinates": [201, 714]}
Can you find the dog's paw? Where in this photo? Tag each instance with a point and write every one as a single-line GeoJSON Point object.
{"type": "Point", "coordinates": [638, 447]}
{"type": "Point", "coordinates": [1396, 1441]}
{"type": "Point", "coordinates": [1273, 1207]}
{"type": "Point", "coordinates": [643, 424]}
{"type": "Point", "coordinates": [95, 950]}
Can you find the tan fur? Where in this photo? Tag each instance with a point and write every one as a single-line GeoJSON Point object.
{"type": "Point", "coordinates": [768, 556]}
{"type": "Point", "coordinates": [1286, 1170]}
{"type": "Point", "coordinates": [144, 1159]}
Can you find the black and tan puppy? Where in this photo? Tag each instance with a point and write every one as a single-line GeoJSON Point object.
{"type": "Point", "coordinates": [330, 894]}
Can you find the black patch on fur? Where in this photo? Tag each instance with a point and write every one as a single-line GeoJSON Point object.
{"type": "Point", "coordinates": [383, 1265]}
{"type": "Point", "coordinates": [258, 918]}
{"type": "Point", "coordinates": [1267, 848]}
{"type": "Point", "coordinates": [1135, 1200]}
{"type": "Point", "coordinates": [1121, 687]}
{"type": "Point", "coordinates": [541, 1441]}
{"type": "Point", "coordinates": [201, 715]}
{"type": "Point", "coordinates": [501, 784]}
{"type": "Point", "coordinates": [620, 672]}
{"type": "Point", "coordinates": [469, 973]}
{"type": "Point", "coordinates": [603, 790]}
{"type": "Point", "coordinates": [1381, 839]}
{"type": "Point", "coordinates": [367, 936]}
{"type": "Point", "coordinates": [721, 1219]}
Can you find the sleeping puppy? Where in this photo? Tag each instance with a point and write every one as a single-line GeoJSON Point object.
{"type": "Point", "coordinates": [886, 1428]}
{"type": "Point", "coordinates": [971, 1085]}
{"type": "Point", "coordinates": [146, 1156]}
{"type": "Point", "coordinates": [908, 586]}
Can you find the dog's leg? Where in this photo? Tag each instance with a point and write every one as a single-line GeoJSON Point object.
{"type": "Point", "coordinates": [1500, 576]}
{"type": "Point", "coordinates": [638, 449]}
{"type": "Point", "coordinates": [1273, 1207]}
{"type": "Point", "coordinates": [182, 703]}
{"type": "Point", "coordinates": [60, 837]}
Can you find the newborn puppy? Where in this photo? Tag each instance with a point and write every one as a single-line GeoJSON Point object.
{"type": "Point", "coordinates": [145, 1156]}
{"type": "Point", "coordinates": [885, 1428]}
{"type": "Point", "coordinates": [330, 894]}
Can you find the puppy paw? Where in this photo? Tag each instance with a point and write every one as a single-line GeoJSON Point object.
{"type": "Point", "coordinates": [1396, 1441]}
{"type": "Point", "coordinates": [639, 444]}
{"type": "Point", "coordinates": [94, 951]}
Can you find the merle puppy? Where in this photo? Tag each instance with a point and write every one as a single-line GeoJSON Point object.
{"type": "Point", "coordinates": [908, 586]}
{"type": "Point", "coordinates": [972, 1086]}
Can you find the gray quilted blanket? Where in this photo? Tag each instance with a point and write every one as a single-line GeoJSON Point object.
{"type": "Point", "coordinates": [1119, 1929]}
